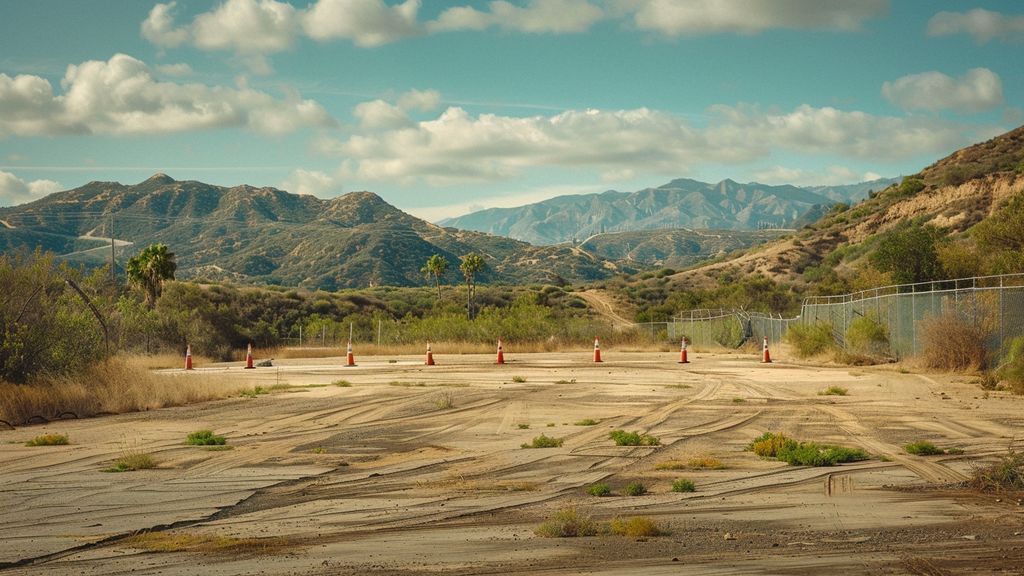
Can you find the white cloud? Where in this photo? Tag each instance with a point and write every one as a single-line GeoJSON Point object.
{"type": "Point", "coordinates": [978, 90]}
{"type": "Point", "coordinates": [422, 100]}
{"type": "Point", "coordinates": [983, 25]}
{"type": "Point", "coordinates": [14, 190]}
{"type": "Point", "coordinates": [537, 17]}
{"type": "Point", "coordinates": [366, 23]}
{"type": "Point", "coordinates": [378, 114]}
{"type": "Point", "coordinates": [697, 17]}
{"type": "Point", "coordinates": [311, 182]}
{"type": "Point", "coordinates": [513, 200]}
{"type": "Point", "coordinates": [160, 29]}
{"type": "Point", "coordinates": [457, 147]}
{"type": "Point", "coordinates": [831, 176]}
{"type": "Point", "coordinates": [121, 96]}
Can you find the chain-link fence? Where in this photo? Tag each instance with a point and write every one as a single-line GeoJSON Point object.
{"type": "Point", "coordinates": [993, 304]}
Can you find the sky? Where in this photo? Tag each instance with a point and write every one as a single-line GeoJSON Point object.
{"type": "Point", "coordinates": [445, 107]}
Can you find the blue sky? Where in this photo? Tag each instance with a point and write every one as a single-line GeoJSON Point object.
{"type": "Point", "coordinates": [441, 107]}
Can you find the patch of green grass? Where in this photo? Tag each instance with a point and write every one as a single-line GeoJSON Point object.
{"type": "Point", "coordinates": [623, 438]}
{"type": "Point", "coordinates": [48, 440]}
{"type": "Point", "coordinates": [738, 400]}
{"type": "Point", "coordinates": [833, 391]}
{"type": "Point", "coordinates": [342, 383]}
{"type": "Point", "coordinates": [923, 448]}
{"type": "Point", "coordinates": [573, 381]}
{"type": "Point", "coordinates": [132, 462]}
{"type": "Point", "coordinates": [635, 527]}
{"type": "Point", "coordinates": [205, 438]}
{"type": "Point", "coordinates": [586, 422]}
{"type": "Point", "coordinates": [567, 523]}
{"type": "Point", "coordinates": [954, 451]}
{"type": "Point", "coordinates": [518, 379]}
{"type": "Point", "coordinates": [695, 463]}
{"type": "Point", "coordinates": [543, 441]}
{"type": "Point", "coordinates": [216, 448]}
{"type": "Point", "coordinates": [683, 485]}
{"type": "Point", "coordinates": [780, 447]}
{"type": "Point", "coordinates": [444, 401]}
{"type": "Point", "coordinates": [551, 424]}
{"type": "Point", "coordinates": [635, 488]}
{"type": "Point", "coordinates": [407, 384]}
{"type": "Point", "coordinates": [318, 450]}
{"type": "Point", "coordinates": [523, 426]}
{"type": "Point", "coordinates": [601, 489]}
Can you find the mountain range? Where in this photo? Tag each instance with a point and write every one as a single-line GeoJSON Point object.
{"type": "Point", "coordinates": [681, 203]}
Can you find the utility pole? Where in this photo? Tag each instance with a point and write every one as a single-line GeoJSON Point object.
{"type": "Point", "coordinates": [113, 264]}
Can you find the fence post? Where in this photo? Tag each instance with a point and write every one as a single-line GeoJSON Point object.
{"type": "Point", "coordinates": [913, 321]}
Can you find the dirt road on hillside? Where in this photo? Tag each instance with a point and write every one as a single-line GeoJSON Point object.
{"type": "Point", "coordinates": [410, 469]}
{"type": "Point", "coordinates": [605, 305]}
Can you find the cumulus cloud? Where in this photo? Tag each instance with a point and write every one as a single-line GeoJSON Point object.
{"type": "Point", "coordinates": [14, 190]}
{"type": "Point", "coordinates": [180, 69]}
{"type": "Point", "coordinates": [692, 17]}
{"type": "Point", "coordinates": [160, 29]}
{"type": "Point", "coordinates": [457, 147]}
{"type": "Point", "coordinates": [537, 16]}
{"type": "Point", "coordinates": [983, 25]}
{"type": "Point", "coordinates": [121, 96]}
{"type": "Point", "coordinates": [366, 23]}
{"type": "Point", "coordinates": [978, 90]}
{"type": "Point", "coordinates": [311, 182]}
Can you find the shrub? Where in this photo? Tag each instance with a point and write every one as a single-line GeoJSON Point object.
{"type": "Point", "coordinates": [623, 438]}
{"type": "Point", "coordinates": [923, 448]}
{"type": "Point", "coordinates": [599, 490]}
{"type": "Point", "coordinates": [48, 440]}
{"type": "Point", "coordinates": [444, 401]}
{"type": "Point", "coordinates": [635, 527]}
{"type": "Point", "coordinates": [908, 253]}
{"type": "Point", "coordinates": [909, 187]}
{"type": "Point", "coordinates": [1005, 474]}
{"type": "Point", "coordinates": [567, 523]}
{"type": "Point", "coordinates": [586, 422]}
{"type": "Point", "coordinates": [205, 438]}
{"type": "Point", "coordinates": [769, 444]}
{"type": "Point", "coordinates": [833, 391]}
{"type": "Point", "coordinates": [1013, 369]}
{"type": "Point", "coordinates": [342, 383]}
{"type": "Point", "coordinates": [523, 426]}
{"type": "Point", "coordinates": [543, 441]}
{"type": "Point", "coordinates": [695, 463]}
{"type": "Point", "coordinates": [866, 335]}
{"type": "Point", "coordinates": [810, 339]}
{"type": "Point", "coordinates": [779, 447]}
{"type": "Point", "coordinates": [131, 462]}
{"type": "Point", "coordinates": [635, 488]}
{"type": "Point", "coordinates": [683, 485]}
{"type": "Point", "coordinates": [518, 379]}
{"type": "Point", "coordinates": [949, 341]}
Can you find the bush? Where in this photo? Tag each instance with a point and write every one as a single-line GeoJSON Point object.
{"type": "Point", "coordinates": [48, 440]}
{"type": "Point", "coordinates": [543, 441]}
{"type": "Point", "coordinates": [635, 488]}
{"type": "Point", "coordinates": [132, 462]}
{"type": "Point", "coordinates": [866, 335]}
{"type": "Point", "coordinates": [833, 391]}
{"type": "Point", "coordinates": [567, 523]}
{"type": "Point", "coordinates": [599, 490]}
{"type": "Point", "coordinates": [635, 527]}
{"type": "Point", "coordinates": [909, 187]}
{"type": "Point", "coordinates": [908, 253]}
{"type": "Point", "coordinates": [769, 444]}
{"type": "Point", "coordinates": [683, 485]}
{"type": "Point", "coordinates": [205, 438]}
{"type": "Point", "coordinates": [1013, 369]}
{"type": "Point", "coordinates": [810, 339]}
{"type": "Point", "coordinates": [779, 447]}
{"type": "Point", "coordinates": [949, 341]}
{"type": "Point", "coordinates": [923, 448]}
{"type": "Point", "coordinates": [586, 422]}
{"type": "Point", "coordinates": [518, 379]}
{"type": "Point", "coordinates": [1006, 474]}
{"type": "Point", "coordinates": [623, 438]}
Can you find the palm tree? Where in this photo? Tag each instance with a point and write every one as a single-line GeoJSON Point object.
{"type": "Point", "coordinates": [472, 264]}
{"type": "Point", "coordinates": [149, 269]}
{"type": "Point", "coordinates": [436, 266]}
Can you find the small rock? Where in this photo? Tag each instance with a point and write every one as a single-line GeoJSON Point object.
{"type": "Point", "coordinates": [970, 537]}
{"type": "Point", "coordinates": [729, 536]}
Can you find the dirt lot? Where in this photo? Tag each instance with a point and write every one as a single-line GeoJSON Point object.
{"type": "Point", "coordinates": [380, 477]}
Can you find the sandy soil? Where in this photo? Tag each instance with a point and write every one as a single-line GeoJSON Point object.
{"type": "Point", "coordinates": [376, 479]}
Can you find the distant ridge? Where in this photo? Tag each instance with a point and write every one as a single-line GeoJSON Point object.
{"type": "Point", "coordinates": [681, 203]}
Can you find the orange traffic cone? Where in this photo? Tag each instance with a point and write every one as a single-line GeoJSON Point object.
{"type": "Point", "coordinates": [501, 354]}
{"type": "Point", "coordinates": [682, 352]}
{"type": "Point", "coordinates": [597, 349]}
{"type": "Point", "coordinates": [351, 359]}
{"type": "Point", "coordinates": [430, 356]}
{"type": "Point", "coordinates": [766, 358]}
{"type": "Point", "coordinates": [248, 358]}
{"type": "Point", "coordinates": [188, 357]}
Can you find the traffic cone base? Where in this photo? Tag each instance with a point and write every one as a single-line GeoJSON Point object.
{"type": "Point", "coordinates": [430, 356]}
{"type": "Point", "coordinates": [597, 350]}
{"type": "Point", "coordinates": [766, 358]}
{"type": "Point", "coordinates": [501, 354]}
{"type": "Point", "coordinates": [188, 357]}
{"type": "Point", "coordinates": [248, 358]}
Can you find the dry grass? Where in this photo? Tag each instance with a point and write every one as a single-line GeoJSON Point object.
{"type": "Point", "coordinates": [702, 462]}
{"type": "Point", "coordinates": [164, 361]}
{"type": "Point", "coordinates": [1005, 474]}
{"type": "Point", "coordinates": [114, 386]}
{"type": "Point", "coordinates": [48, 440]}
{"type": "Point", "coordinates": [567, 523]}
{"type": "Point", "coordinates": [635, 527]}
{"type": "Point", "coordinates": [951, 342]}
{"type": "Point", "coordinates": [447, 348]}
{"type": "Point", "coordinates": [205, 543]}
